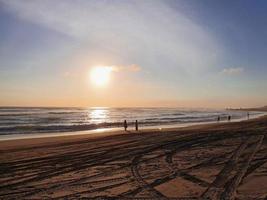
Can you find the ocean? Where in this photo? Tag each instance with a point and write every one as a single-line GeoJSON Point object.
{"type": "Point", "coordinates": [20, 120]}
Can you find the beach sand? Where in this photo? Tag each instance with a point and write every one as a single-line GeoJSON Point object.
{"type": "Point", "coordinates": [216, 161]}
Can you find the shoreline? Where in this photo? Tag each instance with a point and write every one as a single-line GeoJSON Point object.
{"type": "Point", "coordinates": [57, 138]}
{"type": "Point", "coordinates": [117, 130]}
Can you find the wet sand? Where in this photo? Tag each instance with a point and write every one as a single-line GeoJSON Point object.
{"type": "Point", "coordinates": [217, 161]}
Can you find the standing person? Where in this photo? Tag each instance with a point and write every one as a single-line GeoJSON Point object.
{"type": "Point", "coordinates": [248, 115]}
{"type": "Point", "coordinates": [125, 125]}
{"type": "Point", "coordinates": [136, 125]}
{"type": "Point", "coordinates": [218, 119]}
{"type": "Point", "coordinates": [229, 118]}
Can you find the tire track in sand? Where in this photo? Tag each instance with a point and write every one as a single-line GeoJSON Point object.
{"type": "Point", "coordinates": [218, 188]}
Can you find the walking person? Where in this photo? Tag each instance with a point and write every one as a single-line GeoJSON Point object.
{"type": "Point", "coordinates": [125, 125]}
{"type": "Point", "coordinates": [136, 125]}
{"type": "Point", "coordinates": [229, 118]}
{"type": "Point", "coordinates": [218, 119]}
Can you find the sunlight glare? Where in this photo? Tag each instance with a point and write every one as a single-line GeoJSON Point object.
{"type": "Point", "coordinates": [98, 115]}
{"type": "Point", "coordinates": [100, 75]}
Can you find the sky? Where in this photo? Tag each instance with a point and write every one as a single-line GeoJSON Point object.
{"type": "Point", "coordinates": [175, 53]}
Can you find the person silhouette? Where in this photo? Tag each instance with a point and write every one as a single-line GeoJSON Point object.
{"type": "Point", "coordinates": [229, 118]}
{"type": "Point", "coordinates": [248, 115]}
{"type": "Point", "coordinates": [218, 119]}
{"type": "Point", "coordinates": [136, 125]}
{"type": "Point", "coordinates": [125, 125]}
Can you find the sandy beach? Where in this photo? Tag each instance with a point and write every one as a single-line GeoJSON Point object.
{"type": "Point", "coordinates": [133, 100]}
{"type": "Point", "coordinates": [217, 161]}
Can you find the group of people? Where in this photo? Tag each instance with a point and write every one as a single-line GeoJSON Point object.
{"type": "Point", "coordinates": [229, 117]}
{"type": "Point", "coordinates": [126, 125]}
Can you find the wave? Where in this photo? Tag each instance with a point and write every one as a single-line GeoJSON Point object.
{"type": "Point", "coordinates": [36, 120]}
{"type": "Point", "coordinates": [54, 128]}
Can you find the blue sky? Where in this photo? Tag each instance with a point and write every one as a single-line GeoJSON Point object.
{"type": "Point", "coordinates": [188, 53]}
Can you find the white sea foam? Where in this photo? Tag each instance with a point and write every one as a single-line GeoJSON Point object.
{"type": "Point", "coordinates": [50, 120]}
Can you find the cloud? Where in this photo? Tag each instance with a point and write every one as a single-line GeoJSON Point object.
{"type": "Point", "coordinates": [133, 68]}
{"type": "Point", "coordinates": [129, 68]}
{"type": "Point", "coordinates": [151, 33]}
{"type": "Point", "coordinates": [232, 71]}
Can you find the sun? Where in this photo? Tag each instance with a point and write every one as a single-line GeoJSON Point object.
{"type": "Point", "coordinates": [100, 75]}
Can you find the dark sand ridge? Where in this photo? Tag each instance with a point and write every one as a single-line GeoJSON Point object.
{"type": "Point", "coordinates": [218, 161]}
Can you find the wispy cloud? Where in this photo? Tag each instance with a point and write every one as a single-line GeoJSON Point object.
{"type": "Point", "coordinates": [151, 31]}
{"type": "Point", "coordinates": [233, 71]}
{"type": "Point", "coordinates": [127, 68]}
{"type": "Point", "coordinates": [133, 68]}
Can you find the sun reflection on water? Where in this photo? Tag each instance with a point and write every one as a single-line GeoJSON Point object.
{"type": "Point", "coordinates": [98, 115]}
